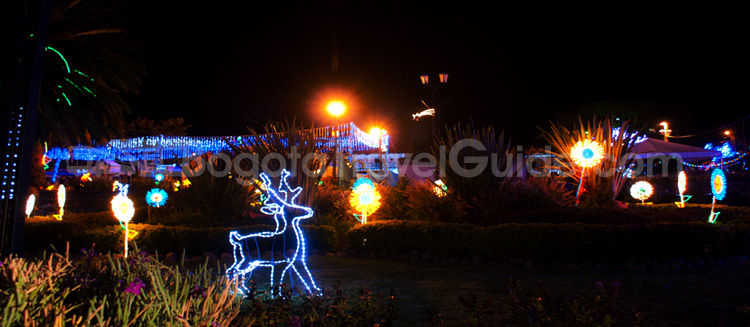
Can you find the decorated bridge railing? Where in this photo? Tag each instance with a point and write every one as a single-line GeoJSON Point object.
{"type": "Point", "coordinates": [350, 139]}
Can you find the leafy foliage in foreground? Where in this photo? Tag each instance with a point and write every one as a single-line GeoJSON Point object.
{"type": "Point", "coordinates": [107, 291]}
{"type": "Point", "coordinates": [92, 290]}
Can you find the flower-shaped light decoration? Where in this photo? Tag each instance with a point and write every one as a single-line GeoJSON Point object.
{"type": "Point", "coordinates": [156, 197]}
{"type": "Point", "coordinates": [682, 182]}
{"type": "Point", "coordinates": [719, 190]}
{"type": "Point", "coordinates": [682, 187]}
{"type": "Point", "coordinates": [718, 184]}
{"type": "Point", "coordinates": [124, 211]}
{"type": "Point", "coordinates": [587, 153]}
{"type": "Point", "coordinates": [123, 208]}
{"type": "Point", "coordinates": [641, 190]}
{"type": "Point", "coordinates": [158, 177]}
{"type": "Point", "coordinates": [440, 188]}
{"type": "Point", "coordinates": [60, 201]}
{"type": "Point", "coordinates": [30, 205]}
{"type": "Point", "coordinates": [365, 198]}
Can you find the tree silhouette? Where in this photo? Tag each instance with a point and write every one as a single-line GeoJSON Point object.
{"type": "Point", "coordinates": [89, 64]}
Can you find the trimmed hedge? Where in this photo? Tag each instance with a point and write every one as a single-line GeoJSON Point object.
{"type": "Point", "coordinates": [553, 242]}
{"type": "Point", "coordinates": [150, 238]}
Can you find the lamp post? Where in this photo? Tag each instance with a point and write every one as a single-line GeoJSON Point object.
{"type": "Point", "coordinates": [379, 133]}
{"type": "Point", "coordinates": [336, 109]}
{"type": "Point", "coordinates": [435, 117]}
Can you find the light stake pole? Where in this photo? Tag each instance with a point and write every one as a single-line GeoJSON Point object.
{"type": "Point", "coordinates": [435, 117]}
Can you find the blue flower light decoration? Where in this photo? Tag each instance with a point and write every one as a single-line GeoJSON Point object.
{"type": "Point", "coordinates": [158, 177]}
{"type": "Point", "coordinates": [718, 184]}
{"type": "Point", "coordinates": [156, 197]}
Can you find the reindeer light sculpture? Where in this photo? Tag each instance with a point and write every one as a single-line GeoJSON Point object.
{"type": "Point", "coordinates": [287, 215]}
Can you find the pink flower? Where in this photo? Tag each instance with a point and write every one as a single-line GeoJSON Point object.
{"type": "Point", "coordinates": [135, 287]}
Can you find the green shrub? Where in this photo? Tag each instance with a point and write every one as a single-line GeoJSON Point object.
{"type": "Point", "coordinates": [553, 242]}
{"type": "Point", "coordinates": [152, 238]}
{"type": "Point", "coordinates": [104, 291]}
{"type": "Point", "coordinates": [520, 194]}
{"type": "Point", "coordinates": [426, 205]}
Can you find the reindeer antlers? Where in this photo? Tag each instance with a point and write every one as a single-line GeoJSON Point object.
{"type": "Point", "coordinates": [273, 193]}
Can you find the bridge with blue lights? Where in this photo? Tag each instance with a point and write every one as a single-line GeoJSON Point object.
{"type": "Point", "coordinates": [351, 139]}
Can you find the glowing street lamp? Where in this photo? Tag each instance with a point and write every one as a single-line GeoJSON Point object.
{"type": "Point", "coordinates": [586, 154]}
{"type": "Point", "coordinates": [379, 133]}
{"type": "Point", "coordinates": [336, 109]}
{"type": "Point", "coordinates": [425, 79]}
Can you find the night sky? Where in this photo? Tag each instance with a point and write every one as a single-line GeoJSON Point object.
{"type": "Point", "coordinates": [226, 67]}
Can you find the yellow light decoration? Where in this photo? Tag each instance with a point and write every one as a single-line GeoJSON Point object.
{"type": "Point", "coordinates": [123, 208]}
{"type": "Point", "coordinates": [60, 201]}
{"type": "Point", "coordinates": [587, 153]}
{"type": "Point", "coordinates": [86, 177]}
{"type": "Point", "coordinates": [440, 189]}
{"type": "Point", "coordinates": [365, 198]}
{"type": "Point", "coordinates": [124, 211]}
{"type": "Point", "coordinates": [30, 205]}
{"type": "Point", "coordinates": [681, 187]}
{"type": "Point", "coordinates": [641, 190]}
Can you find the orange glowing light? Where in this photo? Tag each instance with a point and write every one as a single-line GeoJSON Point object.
{"type": "Point", "coordinates": [336, 108]}
{"type": "Point", "coordinates": [587, 153]}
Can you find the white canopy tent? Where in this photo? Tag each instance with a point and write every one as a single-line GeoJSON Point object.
{"type": "Point", "coordinates": [657, 148]}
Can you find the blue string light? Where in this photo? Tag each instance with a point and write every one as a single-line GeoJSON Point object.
{"type": "Point", "coordinates": [279, 201]}
{"type": "Point", "coordinates": [176, 147]}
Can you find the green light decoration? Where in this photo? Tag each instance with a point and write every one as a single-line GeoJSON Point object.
{"type": "Point", "coordinates": [83, 74]}
{"type": "Point", "coordinates": [61, 57]}
{"type": "Point", "coordinates": [66, 99]}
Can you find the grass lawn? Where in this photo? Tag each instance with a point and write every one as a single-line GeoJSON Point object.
{"type": "Point", "coordinates": [695, 297]}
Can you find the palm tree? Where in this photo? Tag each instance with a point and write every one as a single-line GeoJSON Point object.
{"type": "Point", "coordinates": [88, 66]}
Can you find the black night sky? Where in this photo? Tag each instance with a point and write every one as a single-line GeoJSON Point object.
{"type": "Point", "coordinates": [225, 67]}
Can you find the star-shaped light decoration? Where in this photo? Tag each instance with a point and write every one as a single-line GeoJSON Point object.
{"type": "Point", "coordinates": [364, 198]}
